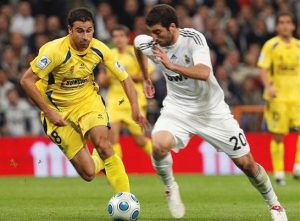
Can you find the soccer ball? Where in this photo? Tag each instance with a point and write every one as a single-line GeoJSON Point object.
{"type": "Point", "coordinates": [124, 206]}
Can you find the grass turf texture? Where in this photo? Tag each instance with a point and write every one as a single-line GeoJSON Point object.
{"type": "Point", "coordinates": [206, 198]}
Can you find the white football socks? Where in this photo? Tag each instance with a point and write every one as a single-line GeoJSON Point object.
{"type": "Point", "coordinates": [163, 168]}
{"type": "Point", "coordinates": [263, 184]}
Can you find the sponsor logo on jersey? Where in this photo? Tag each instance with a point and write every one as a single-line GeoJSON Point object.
{"type": "Point", "coordinates": [43, 62]}
{"type": "Point", "coordinates": [72, 83]}
{"type": "Point", "coordinates": [81, 66]}
{"type": "Point", "coordinates": [173, 57]}
{"type": "Point", "coordinates": [176, 78]}
{"type": "Point", "coordinates": [119, 66]}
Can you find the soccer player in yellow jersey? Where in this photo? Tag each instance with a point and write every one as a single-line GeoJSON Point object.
{"type": "Point", "coordinates": [60, 81]}
{"type": "Point", "coordinates": [280, 72]}
{"type": "Point", "coordinates": [117, 104]}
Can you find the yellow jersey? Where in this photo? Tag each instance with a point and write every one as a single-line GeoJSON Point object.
{"type": "Point", "coordinates": [116, 96]}
{"type": "Point", "coordinates": [283, 63]}
{"type": "Point", "coordinates": [67, 75]}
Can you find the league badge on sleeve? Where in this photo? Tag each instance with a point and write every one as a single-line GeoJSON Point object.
{"type": "Point", "coordinates": [43, 62]}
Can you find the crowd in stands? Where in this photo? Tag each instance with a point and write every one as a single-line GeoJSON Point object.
{"type": "Point", "coordinates": [235, 31]}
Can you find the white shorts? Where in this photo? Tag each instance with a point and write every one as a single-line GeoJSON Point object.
{"type": "Point", "coordinates": [217, 127]}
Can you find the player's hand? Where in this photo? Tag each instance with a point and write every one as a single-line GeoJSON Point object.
{"type": "Point", "coordinates": [271, 92]}
{"type": "Point", "coordinates": [149, 89]}
{"type": "Point", "coordinates": [55, 118]}
{"type": "Point", "coordinates": [160, 54]}
{"type": "Point", "coordinates": [140, 119]}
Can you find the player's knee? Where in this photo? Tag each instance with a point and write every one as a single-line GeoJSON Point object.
{"type": "Point", "coordinates": [88, 175]}
{"type": "Point", "coordinates": [104, 148]}
{"type": "Point", "coordinates": [159, 149]}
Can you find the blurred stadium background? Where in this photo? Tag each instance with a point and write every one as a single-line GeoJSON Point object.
{"type": "Point", "coordinates": [235, 31]}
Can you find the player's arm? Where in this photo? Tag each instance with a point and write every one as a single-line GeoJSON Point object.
{"type": "Point", "coordinates": [264, 63]}
{"type": "Point", "coordinates": [28, 83]}
{"type": "Point", "coordinates": [116, 68]}
{"type": "Point", "coordinates": [266, 82]}
{"type": "Point", "coordinates": [142, 59]}
{"type": "Point", "coordinates": [199, 71]}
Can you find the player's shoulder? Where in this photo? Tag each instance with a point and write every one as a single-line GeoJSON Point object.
{"type": "Point", "coordinates": [57, 45]}
{"type": "Point", "coordinates": [296, 42]}
{"type": "Point", "coordinates": [272, 43]}
{"type": "Point", "coordinates": [99, 48]}
{"type": "Point", "coordinates": [143, 42]}
{"type": "Point", "coordinates": [193, 35]}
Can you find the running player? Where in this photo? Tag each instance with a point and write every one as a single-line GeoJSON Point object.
{"type": "Point", "coordinates": [72, 109]}
{"type": "Point", "coordinates": [280, 72]}
{"type": "Point", "coordinates": [118, 105]}
{"type": "Point", "coordinates": [194, 105]}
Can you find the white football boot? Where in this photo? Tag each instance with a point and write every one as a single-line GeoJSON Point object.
{"type": "Point", "coordinates": [278, 213]}
{"type": "Point", "coordinates": [175, 204]}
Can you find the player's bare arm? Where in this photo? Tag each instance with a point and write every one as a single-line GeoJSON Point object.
{"type": "Point", "coordinates": [149, 89]}
{"type": "Point", "coordinates": [267, 84]}
{"type": "Point", "coordinates": [131, 93]}
{"type": "Point", "coordinates": [199, 71]}
{"type": "Point", "coordinates": [28, 83]}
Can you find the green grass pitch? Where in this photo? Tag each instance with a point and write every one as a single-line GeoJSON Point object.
{"type": "Point", "coordinates": [206, 198]}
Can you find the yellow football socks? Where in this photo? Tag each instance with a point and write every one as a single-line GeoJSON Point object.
{"type": "Point", "coordinates": [118, 149]}
{"type": "Point", "coordinates": [297, 160]}
{"type": "Point", "coordinates": [99, 164]}
{"type": "Point", "coordinates": [116, 174]}
{"type": "Point", "coordinates": [277, 151]}
{"type": "Point", "coordinates": [148, 147]}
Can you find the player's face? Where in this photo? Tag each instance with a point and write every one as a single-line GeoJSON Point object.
{"type": "Point", "coordinates": [285, 26]}
{"type": "Point", "coordinates": [119, 39]}
{"type": "Point", "coordinates": [163, 36]}
{"type": "Point", "coordinates": [81, 34]}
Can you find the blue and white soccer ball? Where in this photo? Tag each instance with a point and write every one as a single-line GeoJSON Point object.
{"type": "Point", "coordinates": [124, 207]}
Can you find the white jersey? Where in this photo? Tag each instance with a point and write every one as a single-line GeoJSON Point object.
{"type": "Point", "coordinates": [187, 94]}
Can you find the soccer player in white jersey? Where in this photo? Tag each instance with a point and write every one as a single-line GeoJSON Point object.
{"type": "Point", "coordinates": [194, 105]}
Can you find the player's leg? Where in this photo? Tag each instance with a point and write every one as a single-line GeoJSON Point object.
{"type": "Point", "coordinates": [114, 137]}
{"type": "Point", "coordinates": [163, 142]}
{"type": "Point", "coordinates": [165, 138]}
{"type": "Point", "coordinates": [277, 156]}
{"type": "Point", "coordinates": [222, 131]}
{"type": "Point", "coordinates": [84, 165]}
{"type": "Point", "coordinates": [295, 124]}
{"type": "Point", "coordinates": [114, 168]}
{"type": "Point", "coordinates": [276, 115]}
{"type": "Point", "coordinates": [296, 170]}
{"type": "Point", "coordinates": [144, 142]}
{"type": "Point", "coordinates": [260, 180]}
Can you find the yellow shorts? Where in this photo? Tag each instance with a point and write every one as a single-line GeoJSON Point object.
{"type": "Point", "coordinates": [80, 119]}
{"type": "Point", "coordinates": [123, 115]}
{"type": "Point", "coordinates": [281, 116]}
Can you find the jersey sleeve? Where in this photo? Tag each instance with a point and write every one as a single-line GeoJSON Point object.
{"type": "Point", "coordinates": [144, 43]}
{"type": "Point", "coordinates": [200, 50]}
{"type": "Point", "coordinates": [45, 62]}
{"type": "Point", "coordinates": [264, 60]}
{"type": "Point", "coordinates": [113, 65]}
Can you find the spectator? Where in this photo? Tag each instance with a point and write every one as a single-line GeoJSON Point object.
{"type": "Point", "coordinates": [23, 22]}
{"type": "Point", "coordinates": [5, 86]}
{"type": "Point", "coordinates": [20, 118]}
{"type": "Point", "coordinates": [103, 12]}
{"type": "Point", "coordinates": [54, 30]}
{"type": "Point", "coordinates": [4, 35]}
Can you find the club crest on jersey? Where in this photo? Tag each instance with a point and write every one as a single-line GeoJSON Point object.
{"type": "Point", "coordinates": [187, 59]}
{"type": "Point", "coordinates": [43, 62]}
{"type": "Point", "coordinates": [71, 71]}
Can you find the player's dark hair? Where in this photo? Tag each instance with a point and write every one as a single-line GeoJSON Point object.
{"type": "Point", "coordinates": [162, 14]}
{"type": "Point", "coordinates": [123, 28]}
{"type": "Point", "coordinates": [283, 14]}
{"type": "Point", "coordinates": [80, 14]}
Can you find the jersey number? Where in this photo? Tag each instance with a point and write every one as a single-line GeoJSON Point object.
{"type": "Point", "coordinates": [239, 141]}
{"type": "Point", "coordinates": [56, 137]}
